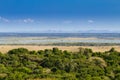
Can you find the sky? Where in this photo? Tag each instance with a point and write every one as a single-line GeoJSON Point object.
{"type": "Point", "coordinates": [59, 15]}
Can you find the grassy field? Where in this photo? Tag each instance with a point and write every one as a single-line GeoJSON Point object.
{"type": "Point", "coordinates": [6, 48]}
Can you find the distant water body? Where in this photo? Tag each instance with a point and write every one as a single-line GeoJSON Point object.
{"type": "Point", "coordinates": [45, 38]}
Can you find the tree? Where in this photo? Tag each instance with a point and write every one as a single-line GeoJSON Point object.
{"type": "Point", "coordinates": [19, 51]}
{"type": "Point", "coordinates": [112, 50]}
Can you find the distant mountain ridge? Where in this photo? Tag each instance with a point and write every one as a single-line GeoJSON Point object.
{"type": "Point", "coordinates": [81, 31]}
{"type": "Point", "coordinates": [98, 31]}
{"type": "Point", "coordinates": [66, 31]}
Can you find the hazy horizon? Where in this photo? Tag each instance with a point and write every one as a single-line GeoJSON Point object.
{"type": "Point", "coordinates": [63, 31]}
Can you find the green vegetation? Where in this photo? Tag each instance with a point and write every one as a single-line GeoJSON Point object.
{"type": "Point", "coordinates": [55, 64]}
{"type": "Point", "coordinates": [71, 44]}
{"type": "Point", "coordinates": [84, 44]}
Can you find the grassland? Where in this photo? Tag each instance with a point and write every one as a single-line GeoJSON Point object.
{"type": "Point", "coordinates": [6, 48]}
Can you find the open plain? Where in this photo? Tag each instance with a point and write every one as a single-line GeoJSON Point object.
{"type": "Point", "coordinates": [6, 48]}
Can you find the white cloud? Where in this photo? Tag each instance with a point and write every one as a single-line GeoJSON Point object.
{"type": "Point", "coordinates": [2, 19]}
{"type": "Point", "coordinates": [90, 21]}
{"type": "Point", "coordinates": [67, 22]}
{"type": "Point", "coordinates": [28, 20]}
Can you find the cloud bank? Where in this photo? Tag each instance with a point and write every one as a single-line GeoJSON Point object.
{"type": "Point", "coordinates": [2, 19]}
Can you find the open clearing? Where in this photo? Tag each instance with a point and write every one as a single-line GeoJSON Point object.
{"type": "Point", "coordinates": [6, 48]}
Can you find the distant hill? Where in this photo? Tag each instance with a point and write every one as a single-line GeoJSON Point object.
{"type": "Point", "coordinates": [98, 31]}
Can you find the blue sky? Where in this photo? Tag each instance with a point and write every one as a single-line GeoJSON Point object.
{"type": "Point", "coordinates": [59, 15]}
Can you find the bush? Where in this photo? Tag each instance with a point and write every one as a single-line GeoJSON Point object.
{"type": "Point", "coordinates": [19, 51]}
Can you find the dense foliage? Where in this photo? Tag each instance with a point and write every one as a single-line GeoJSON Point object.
{"type": "Point", "coordinates": [55, 64]}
